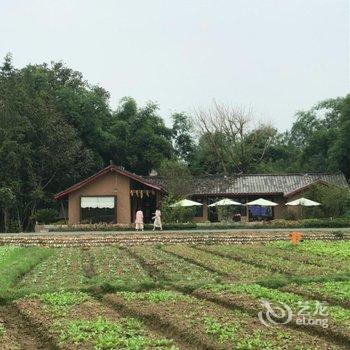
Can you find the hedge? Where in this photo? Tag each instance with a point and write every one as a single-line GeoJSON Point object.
{"type": "Point", "coordinates": [305, 223]}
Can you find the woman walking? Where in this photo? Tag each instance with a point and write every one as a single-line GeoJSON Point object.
{"type": "Point", "coordinates": [157, 220]}
{"type": "Point", "coordinates": [139, 220]}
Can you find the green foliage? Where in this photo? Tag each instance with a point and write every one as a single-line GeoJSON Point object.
{"type": "Point", "coordinates": [184, 144]}
{"type": "Point", "coordinates": [259, 292]}
{"type": "Point", "coordinates": [56, 129]}
{"type": "Point", "coordinates": [15, 262]}
{"type": "Point", "coordinates": [289, 215]}
{"type": "Point", "coordinates": [140, 139]}
{"type": "Point", "coordinates": [255, 341]}
{"type": "Point", "coordinates": [183, 215]}
{"type": "Point", "coordinates": [175, 214]}
{"type": "Point", "coordinates": [339, 249]}
{"type": "Point", "coordinates": [179, 181]}
{"type": "Point", "coordinates": [45, 216]}
{"type": "Point", "coordinates": [225, 213]}
{"type": "Point", "coordinates": [63, 298]}
{"type": "Point", "coordinates": [224, 332]}
{"type": "Point", "coordinates": [335, 200]}
{"type": "Point", "coordinates": [127, 334]}
{"type": "Point", "coordinates": [154, 296]}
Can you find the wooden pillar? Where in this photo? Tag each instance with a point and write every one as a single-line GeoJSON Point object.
{"type": "Point", "coordinates": [205, 209]}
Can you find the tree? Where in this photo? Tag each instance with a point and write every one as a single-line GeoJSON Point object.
{"type": "Point", "coordinates": [141, 141]}
{"type": "Point", "coordinates": [340, 151]}
{"type": "Point", "coordinates": [7, 199]}
{"type": "Point", "coordinates": [315, 135]}
{"type": "Point", "coordinates": [40, 153]}
{"type": "Point", "coordinates": [335, 201]}
{"type": "Point", "coordinates": [240, 145]}
{"type": "Point", "coordinates": [179, 181]}
{"type": "Point", "coordinates": [184, 144]}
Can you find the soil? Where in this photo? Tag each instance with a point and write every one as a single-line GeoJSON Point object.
{"type": "Point", "coordinates": [27, 334]}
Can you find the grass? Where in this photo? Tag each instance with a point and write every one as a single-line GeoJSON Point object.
{"type": "Point", "coordinates": [15, 262]}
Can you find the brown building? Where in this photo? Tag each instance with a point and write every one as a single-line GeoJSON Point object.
{"type": "Point", "coordinates": [114, 194]}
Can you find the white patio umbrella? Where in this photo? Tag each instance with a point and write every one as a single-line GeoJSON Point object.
{"type": "Point", "coordinates": [304, 202]}
{"type": "Point", "coordinates": [225, 201]}
{"type": "Point", "coordinates": [262, 203]}
{"type": "Point", "coordinates": [186, 203]}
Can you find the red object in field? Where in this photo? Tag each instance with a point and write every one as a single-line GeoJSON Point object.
{"type": "Point", "coordinates": [295, 237]}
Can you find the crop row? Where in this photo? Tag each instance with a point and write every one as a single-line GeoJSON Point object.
{"type": "Point", "coordinates": [297, 255]}
{"type": "Point", "coordinates": [339, 250]}
{"type": "Point", "coordinates": [74, 320]}
{"type": "Point", "coordinates": [260, 258]}
{"type": "Point", "coordinates": [116, 267]}
{"type": "Point", "coordinates": [62, 270]}
{"type": "Point", "coordinates": [249, 296]}
{"type": "Point", "coordinates": [234, 270]}
{"type": "Point", "coordinates": [336, 292]}
{"type": "Point", "coordinates": [171, 268]}
{"type": "Point", "coordinates": [205, 324]}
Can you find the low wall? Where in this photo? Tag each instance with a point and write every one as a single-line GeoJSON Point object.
{"type": "Point", "coordinates": [128, 239]}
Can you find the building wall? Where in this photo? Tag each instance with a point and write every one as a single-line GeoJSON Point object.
{"type": "Point", "coordinates": [111, 184]}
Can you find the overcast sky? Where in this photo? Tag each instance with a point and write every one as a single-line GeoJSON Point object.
{"type": "Point", "coordinates": [273, 56]}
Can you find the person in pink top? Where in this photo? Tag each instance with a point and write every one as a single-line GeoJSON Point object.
{"type": "Point", "coordinates": [139, 220]}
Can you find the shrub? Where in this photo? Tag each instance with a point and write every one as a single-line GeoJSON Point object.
{"type": "Point", "coordinates": [45, 216]}
{"type": "Point", "coordinates": [177, 214]}
{"type": "Point", "coordinates": [225, 213]}
{"type": "Point", "coordinates": [289, 215]}
{"type": "Point", "coordinates": [335, 201]}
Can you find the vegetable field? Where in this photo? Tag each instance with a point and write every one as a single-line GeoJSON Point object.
{"type": "Point", "coordinates": [243, 297]}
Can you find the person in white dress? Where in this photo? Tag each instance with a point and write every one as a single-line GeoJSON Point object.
{"type": "Point", "coordinates": [157, 220]}
{"type": "Point", "coordinates": [139, 220]}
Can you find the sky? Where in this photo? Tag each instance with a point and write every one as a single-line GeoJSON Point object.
{"type": "Point", "coordinates": [273, 57]}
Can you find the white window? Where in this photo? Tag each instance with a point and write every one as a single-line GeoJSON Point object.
{"type": "Point", "coordinates": [97, 202]}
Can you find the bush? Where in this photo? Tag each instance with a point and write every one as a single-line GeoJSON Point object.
{"type": "Point", "coordinates": [280, 223]}
{"type": "Point", "coordinates": [177, 214]}
{"type": "Point", "coordinates": [225, 213]}
{"type": "Point", "coordinates": [335, 201]}
{"type": "Point", "coordinates": [289, 215]}
{"type": "Point", "coordinates": [45, 216]}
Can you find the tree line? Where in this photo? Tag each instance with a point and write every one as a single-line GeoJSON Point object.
{"type": "Point", "coordinates": [56, 129]}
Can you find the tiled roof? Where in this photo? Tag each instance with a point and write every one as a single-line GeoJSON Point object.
{"type": "Point", "coordinates": [286, 184]}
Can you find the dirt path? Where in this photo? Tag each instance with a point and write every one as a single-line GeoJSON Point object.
{"type": "Point", "coordinates": [88, 263]}
{"type": "Point", "coordinates": [26, 334]}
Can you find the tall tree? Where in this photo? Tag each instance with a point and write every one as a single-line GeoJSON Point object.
{"type": "Point", "coordinates": [184, 143]}
{"type": "Point", "coordinates": [242, 145]}
{"type": "Point", "coordinates": [40, 152]}
{"type": "Point", "coordinates": [141, 141]}
{"type": "Point", "coordinates": [318, 135]}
